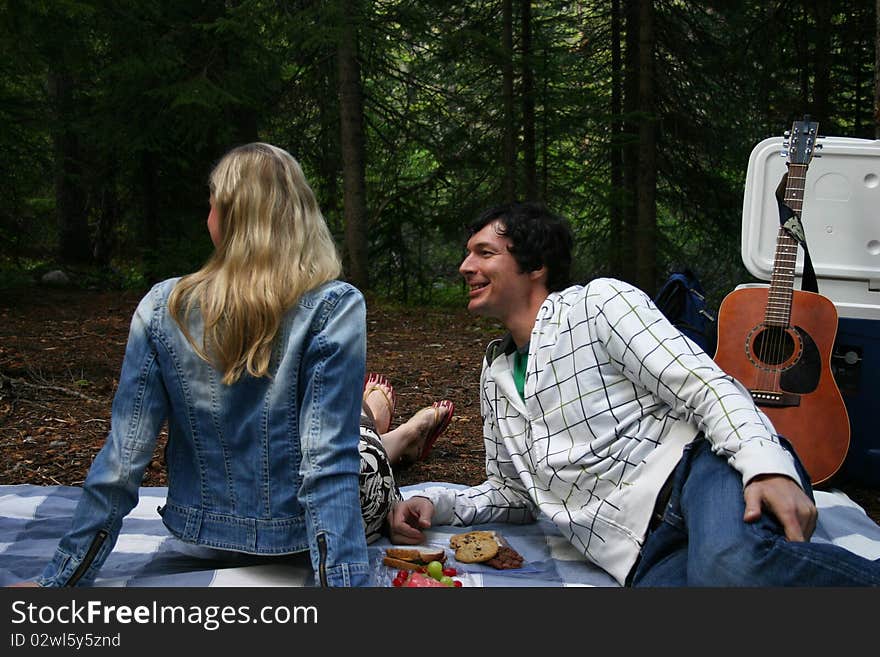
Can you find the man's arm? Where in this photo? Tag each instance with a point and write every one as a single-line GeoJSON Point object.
{"type": "Point", "coordinates": [654, 354]}
{"type": "Point", "coordinates": [501, 498]}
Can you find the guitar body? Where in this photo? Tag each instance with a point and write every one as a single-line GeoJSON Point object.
{"type": "Point", "coordinates": [788, 371]}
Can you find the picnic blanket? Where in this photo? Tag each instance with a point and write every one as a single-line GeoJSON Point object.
{"type": "Point", "coordinates": [33, 518]}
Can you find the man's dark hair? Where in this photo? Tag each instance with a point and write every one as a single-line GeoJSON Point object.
{"type": "Point", "coordinates": [539, 238]}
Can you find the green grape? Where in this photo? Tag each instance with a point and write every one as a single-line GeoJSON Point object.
{"type": "Point", "coordinates": [435, 570]}
{"type": "Point", "coordinates": [446, 580]}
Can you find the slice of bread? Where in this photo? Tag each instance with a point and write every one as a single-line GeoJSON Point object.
{"type": "Point", "coordinates": [400, 564]}
{"type": "Point", "coordinates": [417, 555]}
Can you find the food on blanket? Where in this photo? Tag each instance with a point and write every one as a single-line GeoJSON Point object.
{"type": "Point", "coordinates": [475, 547]}
{"type": "Point", "coordinates": [417, 580]}
{"type": "Point", "coordinates": [415, 558]}
{"type": "Point", "coordinates": [417, 553]}
{"type": "Point", "coordinates": [506, 559]}
{"type": "Point", "coordinates": [458, 540]}
{"type": "Point", "coordinates": [409, 579]}
{"type": "Point", "coordinates": [483, 546]}
{"type": "Point", "coordinates": [435, 570]}
{"type": "Point", "coordinates": [419, 564]}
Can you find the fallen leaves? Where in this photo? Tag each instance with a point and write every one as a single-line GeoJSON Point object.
{"type": "Point", "coordinates": [50, 431]}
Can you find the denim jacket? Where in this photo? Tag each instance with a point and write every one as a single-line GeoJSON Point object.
{"type": "Point", "coordinates": [265, 466]}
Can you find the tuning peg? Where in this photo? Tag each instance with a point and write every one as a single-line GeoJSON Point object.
{"type": "Point", "coordinates": [786, 134]}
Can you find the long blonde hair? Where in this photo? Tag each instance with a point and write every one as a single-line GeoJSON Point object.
{"type": "Point", "coordinates": [274, 247]}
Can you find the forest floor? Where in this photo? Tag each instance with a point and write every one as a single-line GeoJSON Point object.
{"type": "Point", "coordinates": [61, 350]}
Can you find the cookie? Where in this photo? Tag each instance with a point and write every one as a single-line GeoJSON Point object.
{"type": "Point", "coordinates": [477, 550]}
{"type": "Point", "coordinates": [458, 540]}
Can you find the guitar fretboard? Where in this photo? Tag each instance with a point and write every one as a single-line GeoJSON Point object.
{"type": "Point", "coordinates": [778, 312]}
{"type": "Point", "coordinates": [794, 187]}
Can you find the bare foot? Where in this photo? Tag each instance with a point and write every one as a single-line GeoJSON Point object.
{"type": "Point", "coordinates": [423, 428]}
{"type": "Point", "coordinates": [379, 398]}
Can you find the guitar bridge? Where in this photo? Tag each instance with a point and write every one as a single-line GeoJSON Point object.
{"type": "Point", "coordinates": [775, 398]}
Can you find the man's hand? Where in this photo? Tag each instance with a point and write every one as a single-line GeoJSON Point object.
{"type": "Point", "coordinates": [408, 518]}
{"type": "Point", "coordinates": [785, 500]}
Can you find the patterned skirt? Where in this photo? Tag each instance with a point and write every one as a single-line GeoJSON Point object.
{"type": "Point", "coordinates": [378, 490]}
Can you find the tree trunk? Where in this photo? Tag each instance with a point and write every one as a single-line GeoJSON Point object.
{"type": "Point", "coordinates": [877, 70]}
{"type": "Point", "coordinates": [528, 105]}
{"type": "Point", "coordinates": [646, 234]}
{"type": "Point", "coordinates": [631, 147]}
{"type": "Point", "coordinates": [803, 56]}
{"type": "Point", "coordinates": [351, 120]}
{"type": "Point", "coordinates": [70, 203]}
{"type": "Point", "coordinates": [150, 217]}
{"type": "Point", "coordinates": [509, 146]}
{"type": "Point", "coordinates": [108, 218]}
{"type": "Point", "coordinates": [856, 79]}
{"type": "Point", "coordinates": [545, 128]}
{"type": "Point", "coordinates": [615, 253]}
{"type": "Point", "coordinates": [329, 160]}
{"type": "Point", "coordinates": [822, 75]}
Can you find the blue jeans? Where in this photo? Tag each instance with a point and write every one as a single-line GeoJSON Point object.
{"type": "Point", "coordinates": [702, 539]}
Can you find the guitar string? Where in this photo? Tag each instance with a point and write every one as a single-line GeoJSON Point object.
{"type": "Point", "coordinates": [779, 306]}
{"type": "Point", "coordinates": [786, 254]}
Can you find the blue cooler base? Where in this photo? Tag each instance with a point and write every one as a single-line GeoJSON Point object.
{"type": "Point", "coordinates": [855, 363]}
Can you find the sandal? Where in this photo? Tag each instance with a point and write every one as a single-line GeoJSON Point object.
{"type": "Point", "coordinates": [439, 427]}
{"type": "Point", "coordinates": [376, 382]}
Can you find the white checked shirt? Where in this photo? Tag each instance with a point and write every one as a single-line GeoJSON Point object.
{"type": "Point", "coordinates": [613, 392]}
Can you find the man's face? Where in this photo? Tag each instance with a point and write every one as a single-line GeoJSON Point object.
{"type": "Point", "coordinates": [498, 288]}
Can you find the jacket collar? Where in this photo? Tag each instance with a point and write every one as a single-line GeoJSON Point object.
{"type": "Point", "coordinates": [500, 346]}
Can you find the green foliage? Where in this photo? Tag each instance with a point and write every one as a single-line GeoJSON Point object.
{"type": "Point", "coordinates": [19, 272]}
{"type": "Point", "coordinates": [157, 90]}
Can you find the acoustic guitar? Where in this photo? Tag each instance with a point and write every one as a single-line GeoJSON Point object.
{"type": "Point", "coordinates": [777, 341]}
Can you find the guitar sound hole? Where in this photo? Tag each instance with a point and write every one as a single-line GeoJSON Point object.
{"type": "Point", "coordinates": [773, 345]}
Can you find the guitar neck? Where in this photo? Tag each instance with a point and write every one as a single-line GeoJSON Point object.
{"type": "Point", "coordinates": [778, 312]}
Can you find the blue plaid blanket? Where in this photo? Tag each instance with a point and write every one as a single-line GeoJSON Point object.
{"type": "Point", "coordinates": [33, 518]}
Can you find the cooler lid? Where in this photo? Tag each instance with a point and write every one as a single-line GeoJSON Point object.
{"type": "Point", "coordinates": [840, 215]}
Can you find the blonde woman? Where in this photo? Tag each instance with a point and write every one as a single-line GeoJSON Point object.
{"type": "Point", "coordinates": [252, 362]}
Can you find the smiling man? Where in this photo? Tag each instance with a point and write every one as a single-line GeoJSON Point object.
{"type": "Point", "coordinates": [598, 413]}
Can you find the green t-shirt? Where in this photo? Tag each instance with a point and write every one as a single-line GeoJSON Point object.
{"type": "Point", "coordinates": [520, 360]}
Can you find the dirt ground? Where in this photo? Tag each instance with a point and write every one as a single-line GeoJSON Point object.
{"type": "Point", "coordinates": [60, 353]}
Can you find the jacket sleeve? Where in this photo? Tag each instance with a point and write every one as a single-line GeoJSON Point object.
{"type": "Point", "coordinates": [331, 378]}
{"type": "Point", "coordinates": [654, 354]}
{"type": "Point", "coordinates": [501, 498]}
{"type": "Point", "coordinates": [110, 491]}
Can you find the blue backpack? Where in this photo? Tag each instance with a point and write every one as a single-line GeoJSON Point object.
{"type": "Point", "coordinates": [682, 300]}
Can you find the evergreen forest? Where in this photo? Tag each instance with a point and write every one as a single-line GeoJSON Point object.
{"type": "Point", "coordinates": [632, 118]}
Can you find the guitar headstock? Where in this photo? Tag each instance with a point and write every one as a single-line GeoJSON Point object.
{"type": "Point", "coordinates": [800, 144]}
